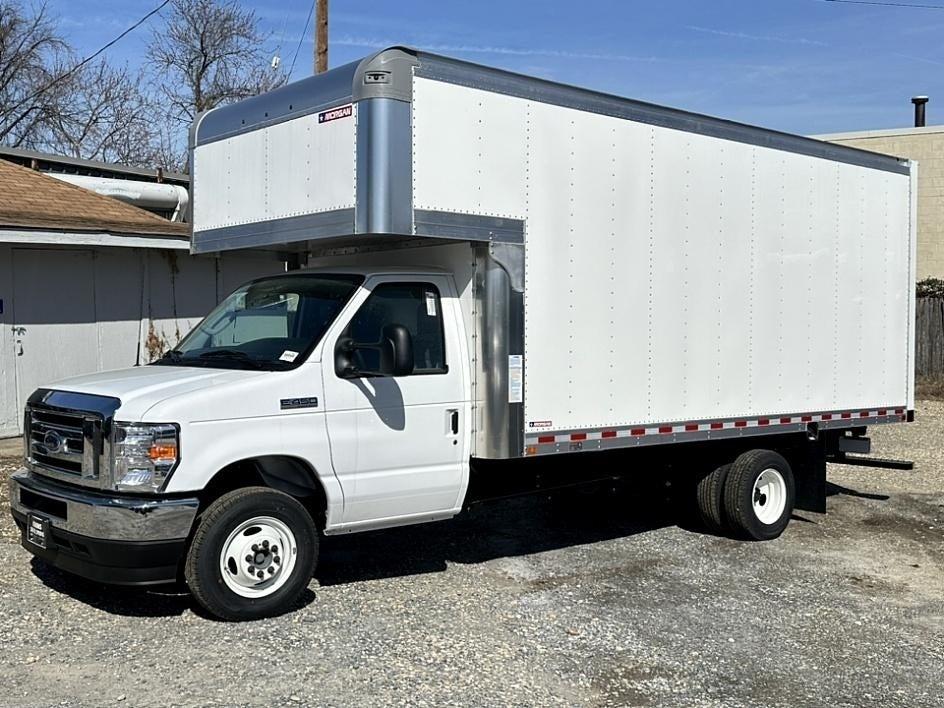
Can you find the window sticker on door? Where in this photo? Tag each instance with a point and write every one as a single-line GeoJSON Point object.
{"type": "Point", "coordinates": [288, 355]}
{"type": "Point", "coordinates": [430, 303]}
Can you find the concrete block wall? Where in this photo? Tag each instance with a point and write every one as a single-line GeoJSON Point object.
{"type": "Point", "coordinates": [926, 145]}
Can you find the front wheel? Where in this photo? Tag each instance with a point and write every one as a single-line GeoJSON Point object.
{"type": "Point", "coordinates": [252, 555]}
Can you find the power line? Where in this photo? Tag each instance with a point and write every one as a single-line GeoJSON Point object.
{"type": "Point", "coordinates": [90, 57]}
{"type": "Point", "coordinates": [311, 8]}
{"type": "Point", "coordinates": [888, 4]}
{"type": "Point", "coordinates": [117, 39]}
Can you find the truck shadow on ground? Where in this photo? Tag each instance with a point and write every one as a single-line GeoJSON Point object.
{"type": "Point", "coordinates": [129, 602]}
{"type": "Point", "coordinates": [504, 528]}
{"type": "Point", "coordinates": [499, 529]}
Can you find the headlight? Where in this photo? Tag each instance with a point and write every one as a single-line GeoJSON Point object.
{"type": "Point", "coordinates": [144, 455]}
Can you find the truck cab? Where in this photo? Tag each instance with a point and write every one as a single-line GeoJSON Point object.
{"type": "Point", "coordinates": [349, 389]}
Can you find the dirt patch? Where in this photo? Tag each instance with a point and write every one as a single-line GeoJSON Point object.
{"type": "Point", "coordinates": [930, 388]}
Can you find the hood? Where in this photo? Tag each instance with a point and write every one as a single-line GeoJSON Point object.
{"type": "Point", "coordinates": [142, 387]}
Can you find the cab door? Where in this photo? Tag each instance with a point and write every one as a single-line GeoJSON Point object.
{"type": "Point", "coordinates": [399, 445]}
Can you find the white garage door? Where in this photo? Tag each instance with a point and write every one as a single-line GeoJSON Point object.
{"type": "Point", "coordinates": [53, 312]}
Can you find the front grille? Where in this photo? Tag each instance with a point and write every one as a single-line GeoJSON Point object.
{"type": "Point", "coordinates": [67, 435]}
{"type": "Point", "coordinates": [57, 441]}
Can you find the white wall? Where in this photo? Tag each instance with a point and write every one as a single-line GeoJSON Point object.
{"type": "Point", "coordinates": [144, 300]}
{"type": "Point", "coordinates": [8, 412]}
{"type": "Point", "coordinates": [677, 277]}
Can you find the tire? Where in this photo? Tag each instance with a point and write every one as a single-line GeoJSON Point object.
{"type": "Point", "coordinates": [759, 495]}
{"type": "Point", "coordinates": [710, 495]}
{"type": "Point", "coordinates": [242, 529]}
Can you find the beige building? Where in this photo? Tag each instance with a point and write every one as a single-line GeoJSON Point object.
{"type": "Point", "coordinates": [926, 145]}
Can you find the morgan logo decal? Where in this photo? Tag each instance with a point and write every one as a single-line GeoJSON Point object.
{"type": "Point", "coordinates": [335, 113]}
{"type": "Point", "coordinates": [540, 424]}
{"type": "Point", "coordinates": [292, 403]}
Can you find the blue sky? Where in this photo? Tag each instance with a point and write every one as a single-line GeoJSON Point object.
{"type": "Point", "coordinates": [805, 66]}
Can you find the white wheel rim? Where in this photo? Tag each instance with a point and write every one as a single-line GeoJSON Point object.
{"type": "Point", "coordinates": [770, 496]}
{"type": "Point", "coordinates": [263, 545]}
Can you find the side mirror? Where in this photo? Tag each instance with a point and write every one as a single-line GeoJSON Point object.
{"type": "Point", "coordinates": [396, 356]}
{"type": "Point", "coordinates": [395, 349]}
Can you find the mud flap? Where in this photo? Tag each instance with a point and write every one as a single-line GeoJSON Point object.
{"type": "Point", "coordinates": [809, 472]}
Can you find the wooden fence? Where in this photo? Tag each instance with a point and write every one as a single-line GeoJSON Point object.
{"type": "Point", "coordinates": [929, 337]}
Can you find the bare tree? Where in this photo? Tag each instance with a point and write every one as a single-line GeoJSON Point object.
{"type": "Point", "coordinates": [209, 53]}
{"type": "Point", "coordinates": [106, 117]}
{"type": "Point", "coordinates": [206, 53]}
{"type": "Point", "coordinates": [33, 60]}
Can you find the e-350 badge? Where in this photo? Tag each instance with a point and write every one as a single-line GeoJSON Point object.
{"type": "Point", "coordinates": [291, 403]}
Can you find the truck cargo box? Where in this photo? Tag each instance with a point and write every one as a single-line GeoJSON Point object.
{"type": "Point", "coordinates": [669, 276]}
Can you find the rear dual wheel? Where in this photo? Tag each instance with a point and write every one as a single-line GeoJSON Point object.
{"type": "Point", "coordinates": [752, 498]}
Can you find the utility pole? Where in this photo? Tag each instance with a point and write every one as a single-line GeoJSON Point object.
{"type": "Point", "coordinates": [321, 36]}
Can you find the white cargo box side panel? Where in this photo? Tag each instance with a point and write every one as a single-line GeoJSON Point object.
{"type": "Point", "coordinates": [483, 177]}
{"type": "Point", "coordinates": [293, 168]}
{"type": "Point", "coordinates": [673, 276]}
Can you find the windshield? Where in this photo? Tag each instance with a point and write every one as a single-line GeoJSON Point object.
{"type": "Point", "coordinates": [266, 324]}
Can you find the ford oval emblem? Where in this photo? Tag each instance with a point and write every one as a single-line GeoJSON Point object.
{"type": "Point", "coordinates": [53, 441]}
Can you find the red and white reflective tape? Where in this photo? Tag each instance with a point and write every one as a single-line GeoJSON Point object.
{"type": "Point", "coordinates": [849, 418]}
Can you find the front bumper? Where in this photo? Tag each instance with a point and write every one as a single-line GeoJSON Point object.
{"type": "Point", "coordinates": [104, 537]}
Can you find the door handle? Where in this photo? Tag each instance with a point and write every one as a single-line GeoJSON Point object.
{"type": "Point", "coordinates": [453, 415]}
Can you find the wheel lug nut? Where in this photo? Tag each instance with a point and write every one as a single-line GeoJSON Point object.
{"type": "Point", "coordinates": [271, 570]}
{"type": "Point", "coordinates": [255, 548]}
{"type": "Point", "coordinates": [265, 544]}
{"type": "Point", "coordinates": [260, 575]}
{"type": "Point", "coordinates": [249, 559]}
{"type": "Point", "coordinates": [275, 549]}
{"type": "Point", "coordinates": [277, 559]}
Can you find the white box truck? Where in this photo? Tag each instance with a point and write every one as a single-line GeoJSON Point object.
{"type": "Point", "coordinates": [509, 285]}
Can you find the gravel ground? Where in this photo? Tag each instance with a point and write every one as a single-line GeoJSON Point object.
{"type": "Point", "coordinates": [617, 605]}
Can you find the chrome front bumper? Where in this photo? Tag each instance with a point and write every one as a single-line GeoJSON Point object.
{"type": "Point", "coordinates": [100, 515]}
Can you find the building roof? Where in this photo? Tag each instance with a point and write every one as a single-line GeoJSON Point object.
{"type": "Point", "coordinates": [45, 162]}
{"type": "Point", "coordinates": [32, 200]}
{"type": "Point", "coordinates": [888, 133]}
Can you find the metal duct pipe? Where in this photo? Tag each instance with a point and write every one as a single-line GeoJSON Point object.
{"type": "Point", "coordinates": [147, 195]}
{"type": "Point", "coordinates": [920, 103]}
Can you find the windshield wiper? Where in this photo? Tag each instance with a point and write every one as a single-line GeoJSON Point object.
{"type": "Point", "coordinates": [232, 355]}
{"type": "Point", "coordinates": [175, 356]}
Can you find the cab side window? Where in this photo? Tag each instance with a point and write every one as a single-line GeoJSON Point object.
{"type": "Point", "coordinates": [416, 306]}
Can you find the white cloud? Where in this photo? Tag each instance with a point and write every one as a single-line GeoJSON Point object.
{"type": "Point", "coordinates": [373, 42]}
{"type": "Point", "coordinates": [756, 37]}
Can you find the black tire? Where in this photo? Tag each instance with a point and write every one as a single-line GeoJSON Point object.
{"type": "Point", "coordinates": [202, 568]}
{"type": "Point", "coordinates": [710, 495]}
{"type": "Point", "coordinates": [739, 494]}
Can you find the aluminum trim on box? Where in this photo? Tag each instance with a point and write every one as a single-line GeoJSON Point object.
{"type": "Point", "coordinates": [468, 227]}
{"type": "Point", "coordinates": [499, 311]}
{"type": "Point", "coordinates": [299, 98]}
{"type": "Point", "coordinates": [555, 441]}
{"type": "Point", "coordinates": [384, 169]}
{"type": "Point", "coordinates": [485, 78]}
{"type": "Point", "coordinates": [277, 232]}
